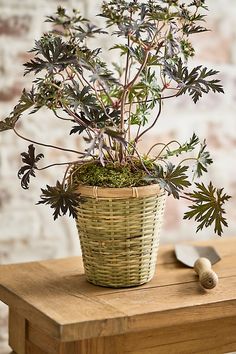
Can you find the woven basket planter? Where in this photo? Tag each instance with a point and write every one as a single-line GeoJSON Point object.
{"type": "Point", "coordinates": [119, 233]}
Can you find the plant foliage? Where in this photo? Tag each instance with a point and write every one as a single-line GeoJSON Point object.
{"type": "Point", "coordinates": [208, 207]}
{"type": "Point", "coordinates": [194, 82]}
{"type": "Point", "coordinates": [100, 100]}
{"type": "Point", "coordinates": [172, 179]}
{"type": "Point", "coordinates": [61, 198]}
{"type": "Point", "coordinates": [203, 160]}
{"type": "Point", "coordinates": [26, 101]}
{"type": "Point", "coordinates": [30, 161]}
{"type": "Point", "coordinates": [186, 147]}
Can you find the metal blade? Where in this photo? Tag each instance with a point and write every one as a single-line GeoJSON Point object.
{"type": "Point", "coordinates": [188, 254]}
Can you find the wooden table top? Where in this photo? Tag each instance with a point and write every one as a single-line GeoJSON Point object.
{"type": "Point", "coordinates": [55, 296]}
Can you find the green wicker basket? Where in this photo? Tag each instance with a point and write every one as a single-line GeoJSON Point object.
{"type": "Point", "coordinates": [119, 233]}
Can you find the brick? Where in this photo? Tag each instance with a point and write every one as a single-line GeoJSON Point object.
{"type": "Point", "coordinates": [24, 56]}
{"type": "Point", "coordinates": [15, 25]}
{"type": "Point", "coordinates": [9, 93]}
{"type": "Point", "coordinates": [25, 219]}
{"type": "Point", "coordinates": [4, 197]}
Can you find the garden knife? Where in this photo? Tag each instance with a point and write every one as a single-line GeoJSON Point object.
{"type": "Point", "coordinates": [201, 259]}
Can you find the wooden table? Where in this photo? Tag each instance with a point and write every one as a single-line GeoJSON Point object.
{"type": "Point", "coordinates": [53, 310]}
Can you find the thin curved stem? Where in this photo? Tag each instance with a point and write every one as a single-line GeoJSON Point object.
{"type": "Point", "coordinates": [140, 158]}
{"type": "Point", "coordinates": [102, 104]}
{"type": "Point", "coordinates": [127, 61]}
{"type": "Point", "coordinates": [183, 197]}
{"type": "Point", "coordinates": [129, 119]}
{"type": "Point", "coordinates": [166, 97]}
{"type": "Point", "coordinates": [68, 119]}
{"type": "Point", "coordinates": [92, 87]}
{"type": "Point", "coordinates": [56, 164]}
{"type": "Point", "coordinates": [165, 146]}
{"type": "Point", "coordinates": [77, 119]}
{"type": "Point", "coordinates": [64, 177]}
{"type": "Point", "coordinates": [85, 80]}
{"type": "Point", "coordinates": [46, 145]}
{"type": "Point", "coordinates": [124, 96]}
{"type": "Point", "coordinates": [146, 101]}
{"type": "Point", "coordinates": [107, 93]}
{"type": "Point", "coordinates": [138, 131]}
{"type": "Point", "coordinates": [87, 127]}
{"type": "Point", "coordinates": [132, 82]}
{"type": "Point", "coordinates": [188, 159]}
{"type": "Point", "coordinates": [151, 126]}
{"type": "Point", "coordinates": [152, 147]}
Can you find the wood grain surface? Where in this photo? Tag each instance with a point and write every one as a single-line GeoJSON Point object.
{"type": "Point", "coordinates": [55, 295]}
{"type": "Point", "coordinates": [206, 337]}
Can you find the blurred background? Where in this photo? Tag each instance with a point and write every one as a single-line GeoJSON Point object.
{"type": "Point", "coordinates": [27, 231]}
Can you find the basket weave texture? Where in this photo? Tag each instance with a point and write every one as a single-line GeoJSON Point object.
{"type": "Point", "coordinates": [119, 233]}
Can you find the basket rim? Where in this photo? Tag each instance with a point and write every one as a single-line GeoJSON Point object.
{"type": "Point", "coordinates": [124, 192]}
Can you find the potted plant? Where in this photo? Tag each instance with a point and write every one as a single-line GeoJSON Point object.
{"type": "Point", "coordinates": [115, 192]}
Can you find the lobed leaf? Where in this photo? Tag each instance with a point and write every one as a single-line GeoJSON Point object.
{"type": "Point", "coordinates": [203, 161]}
{"type": "Point", "coordinates": [62, 199]}
{"type": "Point", "coordinates": [30, 160]}
{"type": "Point", "coordinates": [196, 82]}
{"type": "Point", "coordinates": [186, 147]}
{"type": "Point", "coordinates": [207, 208]}
{"type": "Point", "coordinates": [173, 179]}
{"type": "Point", "coordinates": [51, 53]}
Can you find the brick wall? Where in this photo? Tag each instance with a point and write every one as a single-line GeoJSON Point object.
{"type": "Point", "coordinates": [27, 232]}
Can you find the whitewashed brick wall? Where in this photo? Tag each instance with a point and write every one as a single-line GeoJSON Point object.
{"type": "Point", "coordinates": [27, 231]}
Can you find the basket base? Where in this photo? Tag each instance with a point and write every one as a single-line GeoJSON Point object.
{"type": "Point", "coordinates": [119, 286]}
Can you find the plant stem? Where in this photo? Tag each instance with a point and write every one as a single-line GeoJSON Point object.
{"type": "Point", "coordinates": [64, 177]}
{"type": "Point", "coordinates": [166, 145]}
{"type": "Point", "coordinates": [127, 62]}
{"type": "Point", "coordinates": [102, 104]}
{"type": "Point", "coordinates": [138, 131]}
{"type": "Point", "coordinates": [183, 197]}
{"type": "Point", "coordinates": [107, 93]}
{"type": "Point", "coordinates": [46, 145]}
{"type": "Point", "coordinates": [188, 159]}
{"type": "Point", "coordinates": [151, 126]}
{"type": "Point", "coordinates": [140, 158]}
{"type": "Point", "coordinates": [123, 99]}
{"type": "Point", "coordinates": [146, 101]}
{"type": "Point", "coordinates": [110, 143]}
{"type": "Point", "coordinates": [56, 164]}
{"type": "Point", "coordinates": [122, 123]}
{"type": "Point", "coordinates": [129, 125]}
{"type": "Point", "coordinates": [77, 119]}
{"type": "Point", "coordinates": [92, 87]}
{"type": "Point", "coordinates": [85, 80]}
{"type": "Point", "coordinates": [152, 147]}
{"type": "Point", "coordinates": [171, 96]}
{"type": "Point", "coordinates": [68, 119]}
{"type": "Point", "coordinates": [132, 82]}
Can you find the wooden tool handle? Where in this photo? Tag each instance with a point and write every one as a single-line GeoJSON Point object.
{"type": "Point", "coordinates": [207, 277]}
